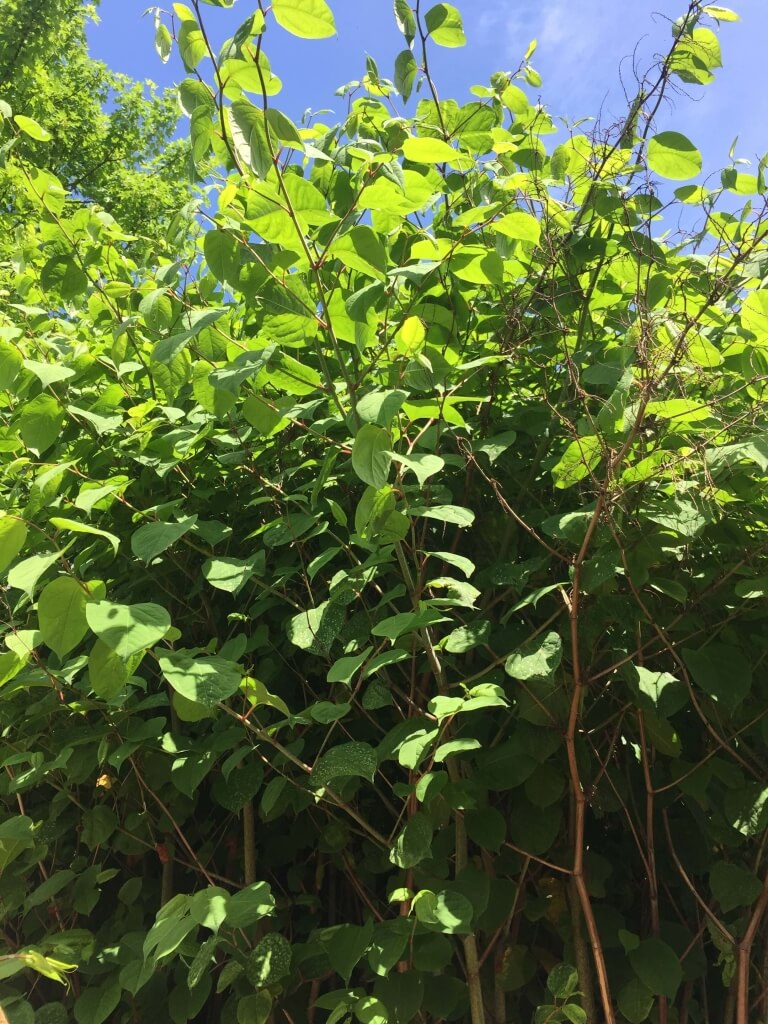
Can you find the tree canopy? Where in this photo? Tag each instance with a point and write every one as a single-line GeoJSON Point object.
{"type": "Point", "coordinates": [110, 137]}
{"type": "Point", "coordinates": [383, 556]}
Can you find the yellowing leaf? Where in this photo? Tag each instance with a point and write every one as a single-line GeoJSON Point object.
{"type": "Point", "coordinates": [721, 13]}
{"type": "Point", "coordinates": [411, 336]}
{"type": "Point", "coordinates": [31, 128]}
{"type": "Point", "coordinates": [435, 151]}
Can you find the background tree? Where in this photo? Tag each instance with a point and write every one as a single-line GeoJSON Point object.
{"type": "Point", "coordinates": [111, 137]}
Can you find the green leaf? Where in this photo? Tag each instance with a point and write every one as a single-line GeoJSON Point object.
{"type": "Point", "coordinates": [380, 407]}
{"type": "Point", "coordinates": [344, 669]}
{"type": "Point", "coordinates": [25, 574]}
{"type": "Point", "coordinates": [562, 981]}
{"type": "Point", "coordinates": [464, 565]}
{"type": "Point", "coordinates": [61, 612]}
{"type": "Point", "coordinates": [152, 539]}
{"type": "Point", "coordinates": [308, 19]}
{"type": "Point", "coordinates": [48, 373]}
{"type": "Point", "coordinates": [733, 886]}
{"type": "Point", "coordinates": [652, 684]}
{"type": "Point", "coordinates": [11, 663]}
{"type": "Point", "coordinates": [208, 907]}
{"type": "Point", "coordinates": [635, 1001]}
{"type": "Point", "coordinates": [754, 313]}
{"type": "Point", "coordinates": [465, 638]}
{"type": "Point", "coordinates": [270, 960]}
{"type": "Point", "coordinates": [190, 38]}
{"type": "Point", "coordinates": [406, 70]}
{"type": "Point", "coordinates": [246, 365]}
{"type": "Point", "coordinates": [11, 363]}
{"type": "Point", "coordinates": [222, 254]}
{"type": "Point", "coordinates": [127, 628]}
{"type": "Point", "coordinates": [406, 622]}
{"type": "Point", "coordinates": [674, 156]}
{"type": "Point", "coordinates": [31, 128]}
{"type": "Point", "coordinates": [230, 574]}
{"type": "Point", "coordinates": [722, 672]}
{"type": "Point", "coordinates": [290, 375]}
{"type": "Point", "coordinates": [98, 825]}
{"type": "Point", "coordinates": [444, 25]}
{"type": "Point", "coordinates": [446, 514]}
{"type": "Point", "coordinates": [519, 225]}
{"type": "Point", "coordinates": [657, 966]}
{"type": "Point", "coordinates": [205, 681]}
{"type": "Point", "coordinates": [577, 461]}
{"type": "Point", "coordinates": [574, 1013]}
{"type": "Point", "coordinates": [487, 828]}
{"type": "Point", "coordinates": [16, 836]}
{"type": "Point", "coordinates": [249, 136]}
{"type": "Point", "coordinates": [345, 945]}
{"type": "Point", "coordinates": [414, 844]}
{"type": "Point", "coordinates": [361, 249]}
{"type": "Point", "coordinates": [13, 535]}
{"type": "Point", "coordinates": [165, 351]}
{"type": "Point", "coordinates": [73, 526]}
{"type": "Point", "coordinates": [163, 39]}
{"type": "Point", "coordinates": [285, 131]}
{"type": "Point", "coordinates": [448, 911]}
{"type": "Point", "coordinates": [249, 905]}
{"type": "Point", "coordinates": [107, 671]}
{"type": "Point", "coordinates": [458, 746]}
{"type": "Point", "coordinates": [205, 956]}
{"type": "Point", "coordinates": [752, 589]}
{"type": "Point", "coordinates": [255, 1009]}
{"type": "Point", "coordinates": [40, 423]}
{"type": "Point", "coordinates": [406, 22]}
{"type": "Point", "coordinates": [371, 455]}
{"type": "Point", "coordinates": [343, 761]}
{"type": "Point", "coordinates": [536, 659]}
{"type": "Point", "coordinates": [432, 151]}
{"type": "Point", "coordinates": [97, 1002]}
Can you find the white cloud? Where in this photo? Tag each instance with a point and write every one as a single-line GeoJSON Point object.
{"type": "Point", "coordinates": [582, 45]}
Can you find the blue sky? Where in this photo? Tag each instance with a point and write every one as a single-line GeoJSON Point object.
{"type": "Point", "coordinates": [585, 49]}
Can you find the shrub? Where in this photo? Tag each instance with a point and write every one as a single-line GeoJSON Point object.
{"type": "Point", "coordinates": [384, 564]}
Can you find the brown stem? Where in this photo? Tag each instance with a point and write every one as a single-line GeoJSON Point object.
{"type": "Point", "coordinates": [694, 891]}
{"type": "Point", "coordinates": [471, 958]}
{"type": "Point", "coordinates": [499, 1002]}
{"type": "Point", "coordinates": [581, 952]}
{"type": "Point", "coordinates": [249, 843]}
{"type": "Point", "coordinates": [577, 789]}
{"type": "Point", "coordinates": [177, 828]}
{"type": "Point", "coordinates": [685, 1001]}
{"type": "Point", "coordinates": [166, 882]}
{"type": "Point", "coordinates": [745, 952]}
{"type": "Point", "coordinates": [650, 845]}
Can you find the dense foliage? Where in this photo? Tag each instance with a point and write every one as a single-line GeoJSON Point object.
{"type": "Point", "coordinates": [384, 569]}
